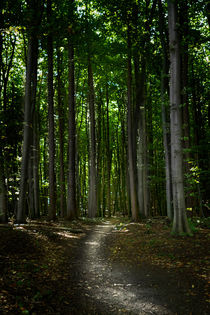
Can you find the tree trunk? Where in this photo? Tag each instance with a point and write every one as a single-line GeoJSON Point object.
{"type": "Point", "coordinates": [99, 154]}
{"type": "Point", "coordinates": [71, 202]}
{"type": "Point", "coordinates": [61, 122]}
{"type": "Point", "coordinates": [132, 177]}
{"type": "Point", "coordinates": [92, 198]}
{"type": "Point", "coordinates": [27, 135]}
{"type": "Point", "coordinates": [180, 224]}
{"type": "Point", "coordinates": [52, 178]}
{"type": "Point", "coordinates": [184, 96]}
{"type": "Point", "coordinates": [35, 145]}
{"type": "Point", "coordinates": [164, 112]}
{"type": "Point", "coordinates": [108, 152]}
{"type": "Point", "coordinates": [3, 195]}
{"type": "Point", "coordinates": [36, 165]}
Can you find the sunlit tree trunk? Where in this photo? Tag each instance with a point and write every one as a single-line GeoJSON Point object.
{"type": "Point", "coordinates": [71, 201]}
{"type": "Point", "coordinates": [52, 178]}
{"type": "Point", "coordinates": [92, 198]}
{"type": "Point", "coordinates": [180, 224]}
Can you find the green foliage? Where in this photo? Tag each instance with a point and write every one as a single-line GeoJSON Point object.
{"type": "Point", "coordinates": [99, 29]}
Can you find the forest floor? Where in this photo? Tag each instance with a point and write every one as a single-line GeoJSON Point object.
{"type": "Point", "coordinates": [103, 267]}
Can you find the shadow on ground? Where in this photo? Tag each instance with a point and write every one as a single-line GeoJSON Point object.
{"type": "Point", "coordinates": [69, 269]}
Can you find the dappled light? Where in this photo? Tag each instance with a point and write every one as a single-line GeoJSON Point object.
{"type": "Point", "coordinates": [104, 157]}
{"type": "Point", "coordinates": [67, 235]}
{"type": "Point", "coordinates": [72, 267]}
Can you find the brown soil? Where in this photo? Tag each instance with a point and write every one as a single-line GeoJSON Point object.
{"type": "Point", "coordinates": [102, 267]}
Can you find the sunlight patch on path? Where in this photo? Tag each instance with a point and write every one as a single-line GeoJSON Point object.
{"type": "Point", "coordinates": [100, 283]}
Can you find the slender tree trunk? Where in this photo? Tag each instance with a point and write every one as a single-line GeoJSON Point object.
{"type": "Point", "coordinates": [30, 197]}
{"type": "Point", "coordinates": [71, 202]}
{"type": "Point", "coordinates": [164, 112]}
{"type": "Point", "coordinates": [108, 152]}
{"type": "Point", "coordinates": [92, 198]}
{"type": "Point", "coordinates": [99, 154]}
{"type": "Point", "coordinates": [3, 195]}
{"type": "Point", "coordinates": [180, 224]}
{"type": "Point", "coordinates": [61, 122]}
{"type": "Point", "coordinates": [27, 135]}
{"type": "Point", "coordinates": [36, 166]}
{"type": "Point", "coordinates": [166, 143]}
{"type": "Point", "coordinates": [35, 136]}
{"type": "Point", "coordinates": [184, 95]}
{"type": "Point", "coordinates": [132, 177]}
{"type": "Point", "coordinates": [52, 178]}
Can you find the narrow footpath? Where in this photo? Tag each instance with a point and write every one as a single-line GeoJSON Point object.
{"type": "Point", "coordinates": [102, 287]}
{"type": "Point", "coordinates": [90, 268]}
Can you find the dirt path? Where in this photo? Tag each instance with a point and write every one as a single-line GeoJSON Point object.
{"type": "Point", "coordinates": [107, 288]}
{"type": "Point", "coordinates": [70, 270]}
{"type": "Point", "coordinates": [110, 288]}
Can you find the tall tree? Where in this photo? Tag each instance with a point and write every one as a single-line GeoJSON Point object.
{"type": "Point", "coordinates": [61, 122]}
{"type": "Point", "coordinates": [92, 197]}
{"type": "Point", "coordinates": [3, 200]}
{"type": "Point", "coordinates": [71, 202]}
{"type": "Point", "coordinates": [3, 194]}
{"type": "Point", "coordinates": [164, 109]}
{"type": "Point", "coordinates": [52, 177]}
{"type": "Point", "coordinates": [180, 223]}
{"type": "Point", "coordinates": [28, 110]}
{"type": "Point", "coordinates": [35, 146]}
{"type": "Point", "coordinates": [131, 160]}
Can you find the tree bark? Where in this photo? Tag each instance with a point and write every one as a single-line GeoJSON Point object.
{"type": "Point", "coordinates": [132, 177]}
{"type": "Point", "coordinates": [164, 112]}
{"type": "Point", "coordinates": [108, 152]}
{"type": "Point", "coordinates": [3, 195]}
{"type": "Point", "coordinates": [61, 122]}
{"type": "Point", "coordinates": [180, 224]}
{"type": "Point", "coordinates": [71, 202]}
{"type": "Point", "coordinates": [27, 135]}
{"type": "Point", "coordinates": [35, 136]}
{"type": "Point", "coordinates": [52, 178]}
{"type": "Point", "coordinates": [92, 198]}
{"type": "Point", "coordinates": [184, 95]}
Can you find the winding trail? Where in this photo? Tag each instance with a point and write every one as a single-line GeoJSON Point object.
{"type": "Point", "coordinates": [104, 288]}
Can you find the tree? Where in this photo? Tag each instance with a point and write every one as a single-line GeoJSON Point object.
{"type": "Point", "coordinates": [52, 177]}
{"type": "Point", "coordinates": [131, 161]}
{"type": "Point", "coordinates": [28, 110]}
{"type": "Point", "coordinates": [61, 121]}
{"type": "Point", "coordinates": [92, 198]}
{"type": "Point", "coordinates": [71, 205]}
{"type": "Point", "coordinates": [180, 224]}
{"type": "Point", "coordinates": [164, 109]}
{"type": "Point", "coordinates": [3, 196]}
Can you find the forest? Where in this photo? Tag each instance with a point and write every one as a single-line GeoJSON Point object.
{"type": "Point", "coordinates": [108, 102]}
{"type": "Point", "coordinates": [105, 182]}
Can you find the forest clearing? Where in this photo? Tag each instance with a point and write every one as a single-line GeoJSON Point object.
{"type": "Point", "coordinates": [104, 157]}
